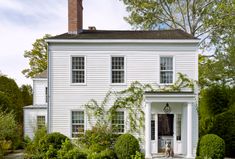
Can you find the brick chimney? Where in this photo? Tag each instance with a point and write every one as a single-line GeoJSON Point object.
{"type": "Point", "coordinates": [75, 16]}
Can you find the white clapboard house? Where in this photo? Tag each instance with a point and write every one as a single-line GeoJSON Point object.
{"type": "Point", "coordinates": [86, 64]}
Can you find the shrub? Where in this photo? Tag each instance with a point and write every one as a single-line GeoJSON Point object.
{"type": "Point", "coordinates": [138, 155]}
{"type": "Point", "coordinates": [98, 139]}
{"type": "Point", "coordinates": [51, 143]}
{"type": "Point", "coordinates": [126, 146]}
{"type": "Point", "coordinates": [224, 126]}
{"type": "Point", "coordinates": [105, 154]}
{"type": "Point", "coordinates": [68, 151]}
{"type": "Point", "coordinates": [212, 146]}
{"type": "Point", "coordinates": [33, 147]}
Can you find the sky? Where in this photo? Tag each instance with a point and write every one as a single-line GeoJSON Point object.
{"type": "Point", "coordinates": [24, 21]}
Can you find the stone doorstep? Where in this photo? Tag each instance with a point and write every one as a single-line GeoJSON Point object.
{"type": "Point", "coordinates": [161, 156]}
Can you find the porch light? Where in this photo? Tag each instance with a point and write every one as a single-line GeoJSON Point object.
{"type": "Point", "coordinates": [167, 108]}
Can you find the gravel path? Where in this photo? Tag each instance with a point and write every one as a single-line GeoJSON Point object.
{"type": "Point", "coordinates": [19, 154]}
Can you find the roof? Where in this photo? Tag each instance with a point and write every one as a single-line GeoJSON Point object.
{"type": "Point", "coordinates": [36, 107]}
{"type": "Point", "coordinates": [42, 75]}
{"type": "Point", "coordinates": [127, 34]}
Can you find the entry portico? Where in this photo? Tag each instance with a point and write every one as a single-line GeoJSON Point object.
{"type": "Point", "coordinates": [171, 117]}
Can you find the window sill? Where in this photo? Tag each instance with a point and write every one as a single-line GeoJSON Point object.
{"type": "Point", "coordinates": [118, 84]}
{"type": "Point", "coordinates": [78, 84]}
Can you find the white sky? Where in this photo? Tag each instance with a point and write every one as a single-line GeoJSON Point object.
{"type": "Point", "coordinates": [23, 21]}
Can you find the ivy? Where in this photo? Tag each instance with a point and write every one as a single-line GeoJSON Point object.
{"type": "Point", "coordinates": [131, 99]}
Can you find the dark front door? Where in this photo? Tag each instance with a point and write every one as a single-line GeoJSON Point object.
{"type": "Point", "coordinates": [165, 130]}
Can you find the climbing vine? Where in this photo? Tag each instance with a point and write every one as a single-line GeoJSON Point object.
{"type": "Point", "coordinates": [131, 99]}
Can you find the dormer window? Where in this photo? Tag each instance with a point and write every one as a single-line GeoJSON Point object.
{"type": "Point", "coordinates": [166, 70]}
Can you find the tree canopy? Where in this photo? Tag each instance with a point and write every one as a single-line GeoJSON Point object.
{"type": "Point", "coordinates": [27, 94]}
{"type": "Point", "coordinates": [37, 57]}
{"type": "Point", "coordinates": [11, 92]}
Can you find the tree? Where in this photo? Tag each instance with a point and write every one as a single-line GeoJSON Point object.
{"type": "Point", "coordinates": [27, 94]}
{"type": "Point", "coordinates": [220, 68]}
{"type": "Point", "coordinates": [187, 15]}
{"type": "Point", "coordinates": [37, 57]}
{"type": "Point", "coordinates": [10, 89]}
{"type": "Point", "coordinates": [5, 103]}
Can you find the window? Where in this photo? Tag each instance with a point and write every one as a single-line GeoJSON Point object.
{"type": "Point", "coordinates": [118, 122]}
{"type": "Point", "coordinates": [118, 70]}
{"type": "Point", "coordinates": [46, 94]}
{"type": "Point", "coordinates": [152, 127]}
{"type": "Point", "coordinates": [166, 70]}
{"type": "Point", "coordinates": [178, 127]}
{"type": "Point", "coordinates": [40, 122]}
{"type": "Point", "coordinates": [78, 69]}
{"type": "Point", "coordinates": [77, 123]}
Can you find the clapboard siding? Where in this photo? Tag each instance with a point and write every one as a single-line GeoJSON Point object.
{"type": "Point", "coordinates": [39, 94]}
{"type": "Point", "coordinates": [142, 64]}
{"type": "Point", "coordinates": [30, 120]}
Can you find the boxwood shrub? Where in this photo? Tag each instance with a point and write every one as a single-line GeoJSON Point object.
{"type": "Point", "coordinates": [126, 146]}
{"type": "Point", "coordinates": [224, 126]}
{"type": "Point", "coordinates": [212, 146]}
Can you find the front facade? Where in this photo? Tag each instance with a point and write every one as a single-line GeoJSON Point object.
{"type": "Point", "coordinates": [86, 64]}
{"type": "Point", "coordinates": [84, 69]}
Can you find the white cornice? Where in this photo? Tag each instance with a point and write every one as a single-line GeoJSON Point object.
{"type": "Point", "coordinates": [194, 41]}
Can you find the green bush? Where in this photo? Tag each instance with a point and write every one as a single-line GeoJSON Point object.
{"type": "Point", "coordinates": [138, 155]}
{"type": "Point", "coordinates": [126, 146]}
{"type": "Point", "coordinates": [98, 139]}
{"type": "Point", "coordinates": [105, 154]}
{"type": "Point", "coordinates": [212, 146]}
{"type": "Point", "coordinates": [33, 147]}
{"type": "Point", "coordinates": [51, 143]}
{"type": "Point", "coordinates": [224, 126]}
{"type": "Point", "coordinates": [68, 151]}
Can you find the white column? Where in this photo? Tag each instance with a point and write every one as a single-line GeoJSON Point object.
{"type": "Point", "coordinates": [148, 131]}
{"type": "Point", "coordinates": [189, 131]}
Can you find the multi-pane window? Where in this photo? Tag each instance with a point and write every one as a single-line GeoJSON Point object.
{"type": "Point", "coordinates": [152, 127]}
{"type": "Point", "coordinates": [40, 122]}
{"type": "Point", "coordinates": [77, 123]}
{"type": "Point", "coordinates": [118, 122]}
{"type": "Point", "coordinates": [78, 69]}
{"type": "Point", "coordinates": [46, 94]}
{"type": "Point", "coordinates": [178, 127]}
{"type": "Point", "coordinates": [118, 70]}
{"type": "Point", "coordinates": [166, 70]}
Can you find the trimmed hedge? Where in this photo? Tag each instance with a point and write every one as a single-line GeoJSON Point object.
{"type": "Point", "coordinates": [224, 126]}
{"type": "Point", "coordinates": [126, 146]}
{"type": "Point", "coordinates": [212, 146]}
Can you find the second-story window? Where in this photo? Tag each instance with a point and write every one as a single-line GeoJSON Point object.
{"type": "Point", "coordinates": [78, 69]}
{"type": "Point", "coordinates": [118, 69]}
{"type": "Point", "coordinates": [166, 70]}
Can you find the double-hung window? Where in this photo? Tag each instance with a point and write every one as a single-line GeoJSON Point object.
{"type": "Point", "coordinates": [78, 69]}
{"type": "Point", "coordinates": [166, 70]}
{"type": "Point", "coordinates": [118, 122]}
{"type": "Point", "coordinates": [40, 121]}
{"type": "Point", "coordinates": [77, 123]}
{"type": "Point", "coordinates": [118, 69]}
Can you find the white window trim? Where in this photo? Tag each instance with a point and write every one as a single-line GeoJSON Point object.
{"type": "Point", "coordinates": [71, 124]}
{"type": "Point", "coordinates": [110, 72]}
{"type": "Point", "coordinates": [159, 72]}
{"type": "Point", "coordinates": [71, 74]}
{"type": "Point", "coordinates": [125, 120]}
{"type": "Point", "coordinates": [37, 120]}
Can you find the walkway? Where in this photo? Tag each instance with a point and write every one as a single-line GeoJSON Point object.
{"type": "Point", "coordinates": [18, 154]}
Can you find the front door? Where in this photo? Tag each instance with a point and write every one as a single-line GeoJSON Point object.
{"type": "Point", "coordinates": [165, 131]}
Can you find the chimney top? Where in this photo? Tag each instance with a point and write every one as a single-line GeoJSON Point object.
{"type": "Point", "coordinates": [92, 28]}
{"type": "Point", "coordinates": [75, 16]}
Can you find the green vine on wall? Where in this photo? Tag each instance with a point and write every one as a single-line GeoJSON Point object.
{"type": "Point", "coordinates": [131, 99]}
